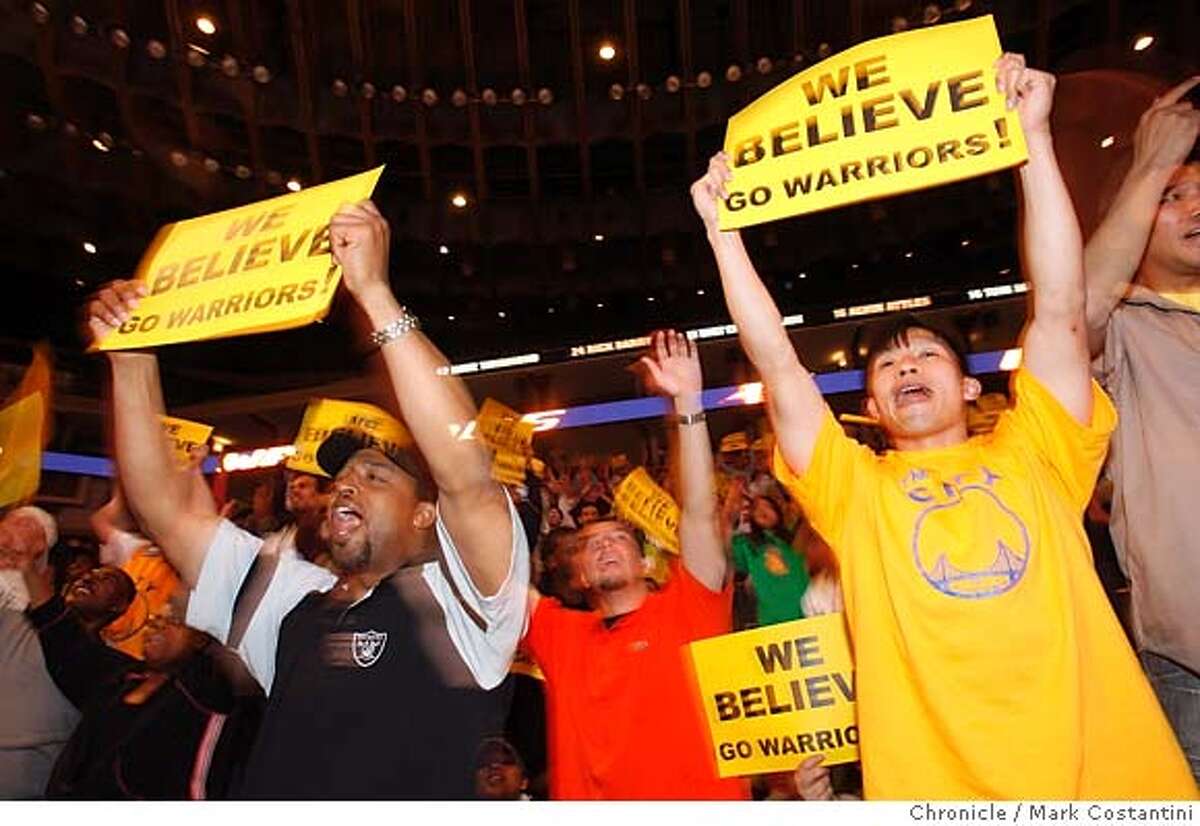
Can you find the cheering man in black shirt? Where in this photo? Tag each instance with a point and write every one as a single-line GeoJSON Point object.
{"type": "Point", "coordinates": [384, 676]}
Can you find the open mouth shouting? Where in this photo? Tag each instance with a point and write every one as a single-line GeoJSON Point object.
{"type": "Point", "coordinates": [344, 519]}
{"type": "Point", "coordinates": [911, 393]}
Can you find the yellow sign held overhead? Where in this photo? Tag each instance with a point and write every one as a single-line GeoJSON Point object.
{"type": "Point", "coordinates": [323, 416]}
{"type": "Point", "coordinates": [639, 500]}
{"type": "Point", "coordinates": [895, 114]}
{"type": "Point", "coordinates": [255, 268]}
{"type": "Point", "coordinates": [184, 437]}
{"type": "Point", "coordinates": [25, 429]}
{"type": "Point", "coordinates": [500, 427]}
{"type": "Point", "coordinates": [774, 696]}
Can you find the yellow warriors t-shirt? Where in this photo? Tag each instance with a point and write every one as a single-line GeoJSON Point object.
{"type": "Point", "coordinates": [989, 663]}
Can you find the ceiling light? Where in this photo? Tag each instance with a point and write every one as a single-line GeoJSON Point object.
{"type": "Point", "coordinates": [599, 305]}
{"type": "Point", "coordinates": [156, 49]}
{"type": "Point", "coordinates": [399, 93]}
{"type": "Point", "coordinates": [908, 254]}
{"type": "Point", "coordinates": [597, 237]}
{"type": "Point", "coordinates": [501, 314]}
{"type": "Point", "coordinates": [545, 96]}
{"type": "Point", "coordinates": [805, 275]}
{"type": "Point", "coordinates": [212, 164]}
{"type": "Point", "coordinates": [294, 185]}
{"type": "Point", "coordinates": [616, 91]}
{"type": "Point", "coordinates": [650, 298]}
{"type": "Point", "coordinates": [101, 144]}
{"type": "Point", "coordinates": [206, 25]}
{"type": "Point", "coordinates": [734, 73]}
{"type": "Point", "coordinates": [1108, 141]}
{"type": "Point", "coordinates": [966, 242]}
{"type": "Point", "coordinates": [242, 171]}
{"type": "Point", "coordinates": [459, 98]}
{"type": "Point", "coordinates": [429, 97]}
{"type": "Point", "coordinates": [79, 25]}
{"type": "Point", "coordinates": [607, 51]}
{"type": "Point", "coordinates": [1143, 42]}
{"type": "Point", "coordinates": [78, 282]}
{"type": "Point", "coordinates": [699, 292]}
{"type": "Point", "coordinates": [449, 318]}
{"type": "Point", "coordinates": [517, 97]}
{"type": "Point", "coordinates": [673, 84]}
{"type": "Point", "coordinates": [550, 310]}
{"type": "Point", "coordinates": [458, 200]}
{"type": "Point", "coordinates": [119, 38]}
{"type": "Point", "coordinates": [89, 247]}
{"type": "Point", "coordinates": [704, 80]}
{"type": "Point", "coordinates": [444, 250]}
{"type": "Point", "coordinates": [261, 74]}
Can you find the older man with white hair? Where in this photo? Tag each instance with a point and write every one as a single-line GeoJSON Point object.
{"type": "Point", "coordinates": [36, 720]}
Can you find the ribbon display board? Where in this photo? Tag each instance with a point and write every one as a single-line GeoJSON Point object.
{"type": "Point", "coordinates": [895, 114]}
{"type": "Point", "coordinates": [777, 695]}
{"type": "Point", "coordinates": [255, 268]}
{"type": "Point", "coordinates": [323, 416]}
{"type": "Point", "coordinates": [639, 500]}
{"type": "Point", "coordinates": [184, 437]}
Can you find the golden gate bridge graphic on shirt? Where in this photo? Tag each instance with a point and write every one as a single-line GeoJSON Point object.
{"type": "Point", "coordinates": [961, 580]}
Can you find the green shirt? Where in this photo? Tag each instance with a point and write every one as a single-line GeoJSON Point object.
{"type": "Point", "coordinates": [779, 576]}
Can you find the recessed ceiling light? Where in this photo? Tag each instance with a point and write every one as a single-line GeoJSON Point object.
{"type": "Point", "coordinates": [449, 318]}
{"type": "Point", "coordinates": [699, 292]}
{"type": "Point", "coordinates": [89, 247]}
{"type": "Point", "coordinates": [607, 51]}
{"type": "Point", "coordinates": [459, 200]}
{"type": "Point", "coordinates": [597, 237]}
{"type": "Point", "coordinates": [206, 25]}
{"type": "Point", "coordinates": [1143, 42]}
{"type": "Point", "coordinates": [294, 185]}
{"type": "Point", "coordinates": [501, 314]}
{"type": "Point", "coordinates": [444, 250]}
{"type": "Point", "coordinates": [1107, 141]}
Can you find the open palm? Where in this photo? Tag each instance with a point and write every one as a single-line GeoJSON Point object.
{"type": "Point", "coordinates": [673, 364]}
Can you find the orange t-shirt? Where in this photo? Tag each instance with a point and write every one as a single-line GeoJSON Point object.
{"type": "Point", "coordinates": [623, 724]}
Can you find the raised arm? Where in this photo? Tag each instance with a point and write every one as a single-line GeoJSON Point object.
{"type": "Point", "coordinates": [794, 402]}
{"type": "Point", "coordinates": [673, 366]}
{"type": "Point", "coordinates": [434, 404]}
{"type": "Point", "coordinates": [156, 492]}
{"type": "Point", "coordinates": [1055, 344]}
{"type": "Point", "coordinates": [1165, 135]}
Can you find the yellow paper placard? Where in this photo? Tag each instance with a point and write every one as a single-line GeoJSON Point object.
{"type": "Point", "coordinates": [508, 468]}
{"type": "Point", "coordinates": [260, 267]}
{"type": "Point", "coordinates": [184, 437]}
{"type": "Point", "coordinates": [774, 696]}
{"type": "Point", "coordinates": [323, 416]}
{"type": "Point", "coordinates": [500, 427]}
{"type": "Point", "coordinates": [21, 426]}
{"type": "Point", "coordinates": [640, 501]}
{"type": "Point", "coordinates": [895, 114]}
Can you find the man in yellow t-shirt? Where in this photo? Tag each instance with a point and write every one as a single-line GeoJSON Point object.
{"type": "Point", "coordinates": [989, 664]}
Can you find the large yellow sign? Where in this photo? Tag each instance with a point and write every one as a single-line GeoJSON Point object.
{"type": "Point", "coordinates": [895, 114]}
{"type": "Point", "coordinates": [777, 695]}
{"type": "Point", "coordinates": [264, 266]}
{"type": "Point", "coordinates": [639, 500]}
{"type": "Point", "coordinates": [323, 416]}
{"type": "Point", "coordinates": [184, 436]}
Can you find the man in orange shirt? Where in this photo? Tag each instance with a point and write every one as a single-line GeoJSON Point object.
{"type": "Point", "coordinates": [617, 688]}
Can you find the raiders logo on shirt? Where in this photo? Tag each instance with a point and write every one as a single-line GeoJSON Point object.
{"type": "Point", "coordinates": [367, 646]}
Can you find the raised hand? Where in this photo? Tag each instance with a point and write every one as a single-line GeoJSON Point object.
{"type": "Point", "coordinates": [708, 189]}
{"type": "Point", "coordinates": [1028, 91]}
{"type": "Point", "coordinates": [111, 306]}
{"type": "Point", "coordinates": [1167, 131]}
{"type": "Point", "coordinates": [360, 239]}
{"type": "Point", "coordinates": [673, 365]}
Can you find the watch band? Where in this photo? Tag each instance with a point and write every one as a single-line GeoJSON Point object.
{"type": "Point", "coordinates": [404, 324]}
{"type": "Point", "coordinates": [690, 418]}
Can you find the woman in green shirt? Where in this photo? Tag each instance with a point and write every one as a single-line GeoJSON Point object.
{"type": "Point", "coordinates": [777, 572]}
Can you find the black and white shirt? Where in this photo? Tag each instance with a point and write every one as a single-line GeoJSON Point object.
{"type": "Point", "coordinates": [386, 698]}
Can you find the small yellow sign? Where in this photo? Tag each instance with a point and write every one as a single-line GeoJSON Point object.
{"type": "Point", "coordinates": [895, 114]}
{"type": "Point", "coordinates": [184, 437]}
{"type": "Point", "coordinates": [323, 416]}
{"type": "Point", "coordinates": [508, 468]}
{"type": "Point", "coordinates": [255, 268]}
{"type": "Point", "coordinates": [774, 696]}
{"type": "Point", "coordinates": [500, 427]}
{"type": "Point", "coordinates": [639, 500]}
{"type": "Point", "coordinates": [21, 449]}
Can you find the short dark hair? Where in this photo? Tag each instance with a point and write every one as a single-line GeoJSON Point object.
{"type": "Point", "coordinates": [895, 334]}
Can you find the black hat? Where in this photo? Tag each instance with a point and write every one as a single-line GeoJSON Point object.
{"type": "Point", "coordinates": [343, 443]}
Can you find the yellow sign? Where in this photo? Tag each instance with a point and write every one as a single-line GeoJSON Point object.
{"type": "Point", "coordinates": [639, 500]}
{"type": "Point", "coordinates": [251, 269]}
{"type": "Point", "coordinates": [24, 429]}
{"type": "Point", "coordinates": [184, 437]}
{"type": "Point", "coordinates": [774, 696]}
{"type": "Point", "coordinates": [500, 427]}
{"type": "Point", "coordinates": [323, 416]}
{"type": "Point", "coordinates": [895, 114]}
{"type": "Point", "coordinates": [508, 468]}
